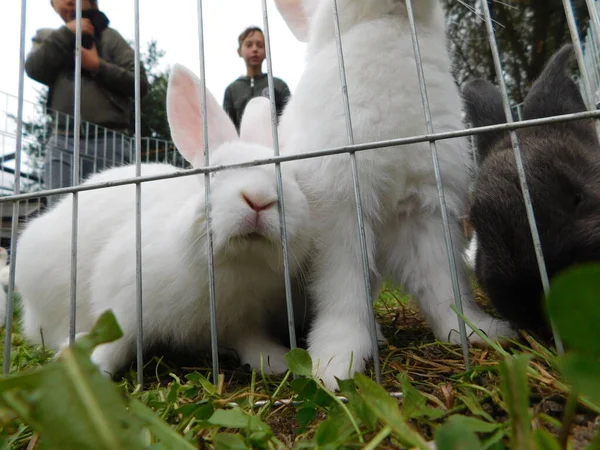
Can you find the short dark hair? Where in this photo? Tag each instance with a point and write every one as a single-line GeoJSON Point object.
{"type": "Point", "coordinates": [247, 32]}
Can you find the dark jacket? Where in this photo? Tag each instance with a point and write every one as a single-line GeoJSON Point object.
{"type": "Point", "coordinates": [106, 96]}
{"type": "Point", "coordinates": [242, 90]}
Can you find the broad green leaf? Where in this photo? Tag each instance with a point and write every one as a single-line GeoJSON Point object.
{"type": "Point", "coordinates": [515, 390]}
{"type": "Point", "coordinates": [387, 410]}
{"type": "Point", "coordinates": [198, 411]}
{"type": "Point", "coordinates": [304, 387]}
{"type": "Point", "coordinates": [202, 381]}
{"type": "Point", "coordinates": [473, 424]}
{"type": "Point", "coordinates": [173, 393]}
{"type": "Point", "coordinates": [494, 442]}
{"type": "Point", "coordinates": [306, 415]}
{"type": "Point", "coordinates": [583, 374]}
{"type": "Point", "coordinates": [230, 418]}
{"type": "Point", "coordinates": [414, 403]}
{"type": "Point", "coordinates": [356, 404]}
{"type": "Point", "coordinates": [299, 362]}
{"type": "Point", "coordinates": [544, 440]}
{"type": "Point", "coordinates": [335, 430]}
{"type": "Point", "coordinates": [167, 436]}
{"type": "Point", "coordinates": [105, 330]}
{"type": "Point", "coordinates": [260, 438]}
{"type": "Point", "coordinates": [227, 441]}
{"type": "Point", "coordinates": [70, 403]}
{"type": "Point", "coordinates": [456, 436]}
{"type": "Point", "coordinates": [258, 432]}
{"type": "Point", "coordinates": [574, 306]}
{"type": "Point", "coordinates": [308, 389]}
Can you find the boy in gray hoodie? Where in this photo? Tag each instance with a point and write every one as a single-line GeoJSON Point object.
{"type": "Point", "coordinates": [255, 83]}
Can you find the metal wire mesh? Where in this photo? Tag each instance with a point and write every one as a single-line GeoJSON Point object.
{"type": "Point", "coordinates": [27, 186]}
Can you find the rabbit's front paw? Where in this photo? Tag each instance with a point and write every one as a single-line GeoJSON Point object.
{"type": "Point", "coordinates": [494, 329]}
{"type": "Point", "coordinates": [66, 343]}
{"type": "Point", "coordinates": [260, 352]}
{"type": "Point", "coordinates": [341, 365]}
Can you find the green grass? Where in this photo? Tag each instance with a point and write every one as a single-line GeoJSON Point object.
{"type": "Point", "coordinates": [438, 387]}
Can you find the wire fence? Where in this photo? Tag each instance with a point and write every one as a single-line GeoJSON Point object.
{"type": "Point", "coordinates": [73, 155]}
{"type": "Point", "coordinates": [47, 153]}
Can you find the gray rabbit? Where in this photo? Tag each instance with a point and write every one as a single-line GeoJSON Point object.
{"type": "Point", "coordinates": [562, 164]}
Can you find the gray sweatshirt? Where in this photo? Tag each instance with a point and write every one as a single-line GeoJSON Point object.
{"type": "Point", "coordinates": [106, 96]}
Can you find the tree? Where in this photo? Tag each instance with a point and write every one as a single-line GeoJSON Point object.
{"type": "Point", "coordinates": [153, 107]}
{"type": "Point", "coordinates": [528, 32]}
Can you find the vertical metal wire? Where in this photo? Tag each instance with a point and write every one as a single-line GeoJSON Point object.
{"type": "Point", "coordinates": [123, 146]}
{"type": "Point", "coordinates": [359, 209]}
{"type": "Point", "coordinates": [592, 42]}
{"type": "Point", "coordinates": [87, 140]}
{"type": "Point", "coordinates": [44, 113]}
{"type": "Point", "coordinates": [209, 235]}
{"type": "Point", "coordinates": [17, 189]}
{"type": "Point", "coordinates": [281, 204]}
{"type": "Point", "coordinates": [76, 142]}
{"type": "Point", "coordinates": [589, 97]}
{"type": "Point", "coordinates": [114, 148]}
{"type": "Point", "coordinates": [6, 115]}
{"type": "Point", "coordinates": [95, 169]}
{"type": "Point", "coordinates": [440, 187]}
{"type": "Point", "coordinates": [520, 167]}
{"type": "Point", "coordinates": [52, 153]}
{"type": "Point", "coordinates": [138, 199]}
{"type": "Point", "coordinates": [105, 154]}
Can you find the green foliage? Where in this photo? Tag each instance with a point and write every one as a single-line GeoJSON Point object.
{"type": "Point", "coordinates": [456, 436]}
{"type": "Point", "coordinates": [153, 105]}
{"type": "Point", "coordinates": [528, 32]}
{"type": "Point", "coordinates": [71, 405]}
{"type": "Point", "coordinates": [515, 389]}
{"type": "Point", "coordinates": [574, 308]}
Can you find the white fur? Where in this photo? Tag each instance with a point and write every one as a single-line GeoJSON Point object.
{"type": "Point", "coordinates": [470, 252]}
{"type": "Point", "coordinates": [249, 278]}
{"type": "Point", "coordinates": [404, 231]}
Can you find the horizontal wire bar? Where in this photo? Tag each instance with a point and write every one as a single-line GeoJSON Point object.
{"type": "Point", "coordinates": [287, 402]}
{"type": "Point", "coordinates": [315, 154]}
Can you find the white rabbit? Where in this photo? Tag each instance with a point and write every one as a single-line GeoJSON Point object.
{"type": "Point", "coordinates": [403, 222]}
{"type": "Point", "coordinates": [247, 251]}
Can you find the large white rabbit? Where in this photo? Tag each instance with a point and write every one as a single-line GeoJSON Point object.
{"type": "Point", "coordinates": [247, 250]}
{"type": "Point", "coordinates": [404, 231]}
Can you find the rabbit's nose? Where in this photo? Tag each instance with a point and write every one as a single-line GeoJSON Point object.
{"type": "Point", "coordinates": [258, 205]}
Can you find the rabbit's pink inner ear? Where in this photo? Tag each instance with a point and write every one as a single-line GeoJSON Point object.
{"type": "Point", "coordinates": [256, 122]}
{"type": "Point", "coordinates": [185, 116]}
{"type": "Point", "coordinates": [294, 14]}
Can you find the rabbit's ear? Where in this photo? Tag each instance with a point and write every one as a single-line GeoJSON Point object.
{"type": "Point", "coordinates": [483, 105]}
{"type": "Point", "coordinates": [184, 113]}
{"type": "Point", "coordinates": [554, 92]}
{"type": "Point", "coordinates": [256, 122]}
{"type": "Point", "coordinates": [294, 14]}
